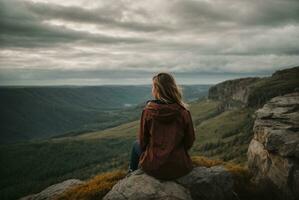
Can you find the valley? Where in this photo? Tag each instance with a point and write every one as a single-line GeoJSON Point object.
{"type": "Point", "coordinates": [223, 126]}
{"type": "Point", "coordinates": [31, 113]}
{"type": "Point", "coordinates": [42, 163]}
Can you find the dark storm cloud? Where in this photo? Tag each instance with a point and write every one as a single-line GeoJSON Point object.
{"type": "Point", "coordinates": [21, 28]}
{"type": "Point", "coordinates": [236, 14]}
{"type": "Point", "coordinates": [272, 13]}
{"type": "Point", "coordinates": [21, 25]}
{"type": "Point", "coordinates": [51, 40]}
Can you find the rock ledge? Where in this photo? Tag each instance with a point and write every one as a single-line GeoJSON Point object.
{"type": "Point", "coordinates": [54, 190]}
{"type": "Point", "coordinates": [273, 153]}
{"type": "Point", "coordinates": [201, 183]}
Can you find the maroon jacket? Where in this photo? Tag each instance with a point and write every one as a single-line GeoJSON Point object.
{"type": "Point", "coordinates": [165, 135]}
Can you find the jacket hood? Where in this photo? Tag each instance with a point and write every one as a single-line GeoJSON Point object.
{"type": "Point", "coordinates": [163, 112]}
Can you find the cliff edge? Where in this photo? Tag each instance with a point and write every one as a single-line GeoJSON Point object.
{"type": "Point", "coordinates": [253, 91]}
{"type": "Point", "coordinates": [273, 153]}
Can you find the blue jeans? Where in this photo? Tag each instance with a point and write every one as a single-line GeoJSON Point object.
{"type": "Point", "coordinates": [135, 155]}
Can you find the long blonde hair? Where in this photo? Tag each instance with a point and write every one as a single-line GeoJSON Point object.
{"type": "Point", "coordinates": [167, 90]}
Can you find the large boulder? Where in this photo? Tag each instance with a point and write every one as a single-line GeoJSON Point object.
{"type": "Point", "coordinates": [53, 191]}
{"type": "Point", "coordinates": [201, 183]}
{"type": "Point", "coordinates": [273, 153]}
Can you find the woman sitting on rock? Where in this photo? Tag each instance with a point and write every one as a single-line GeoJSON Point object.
{"type": "Point", "coordinates": [165, 134]}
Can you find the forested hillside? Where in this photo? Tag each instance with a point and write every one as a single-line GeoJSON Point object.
{"type": "Point", "coordinates": [44, 112]}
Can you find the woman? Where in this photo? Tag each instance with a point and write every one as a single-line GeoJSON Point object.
{"type": "Point", "coordinates": [165, 134]}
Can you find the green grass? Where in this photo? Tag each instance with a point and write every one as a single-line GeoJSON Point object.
{"type": "Point", "coordinates": [225, 136]}
{"type": "Point", "coordinates": [203, 109]}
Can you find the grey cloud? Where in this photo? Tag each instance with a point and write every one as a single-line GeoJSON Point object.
{"type": "Point", "coordinates": [234, 14]}
{"type": "Point", "coordinates": [272, 13]}
{"type": "Point", "coordinates": [138, 38]}
{"type": "Point", "coordinates": [21, 28]}
{"type": "Point", "coordinates": [100, 16]}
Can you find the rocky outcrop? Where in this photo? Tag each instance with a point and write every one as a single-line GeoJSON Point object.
{"type": "Point", "coordinates": [53, 191]}
{"type": "Point", "coordinates": [201, 183]}
{"type": "Point", "coordinates": [233, 92]}
{"type": "Point", "coordinates": [273, 153]}
{"type": "Point", "coordinates": [254, 92]}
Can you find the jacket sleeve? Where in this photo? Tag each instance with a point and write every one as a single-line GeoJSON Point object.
{"type": "Point", "coordinates": [189, 133]}
{"type": "Point", "coordinates": [143, 133]}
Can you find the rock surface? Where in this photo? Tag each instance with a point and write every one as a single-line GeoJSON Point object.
{"type": "Point", "coordinates": [273, 153]}
{"type": "Point", "coordinates": [232, 92]}
{"type": "Point", "coordinates": [201, 183]}
{"type": "Point", "coordinates": [254, 92]}
{"type": "Point", "coordinates": [54, 190]}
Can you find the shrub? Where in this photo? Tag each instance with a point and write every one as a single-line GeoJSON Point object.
{"type": "Point", "coordinates": [205, 162]}
{"type": "Point", "coordinates": [95, 188]}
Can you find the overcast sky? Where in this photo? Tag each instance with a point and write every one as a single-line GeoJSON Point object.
{"type": "Point", "coordinates": [91, 42]}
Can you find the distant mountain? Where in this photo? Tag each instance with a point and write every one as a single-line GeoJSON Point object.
{"type": "Point", "coordinates": [48, 111]}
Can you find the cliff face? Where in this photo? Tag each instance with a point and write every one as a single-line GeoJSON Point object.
{"type": "Point", "coordinates": [254, 92]}
{"type": "Point", "coordinates": [273, 153]}
{"type": "Point", "coordinates": [233, 92]}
